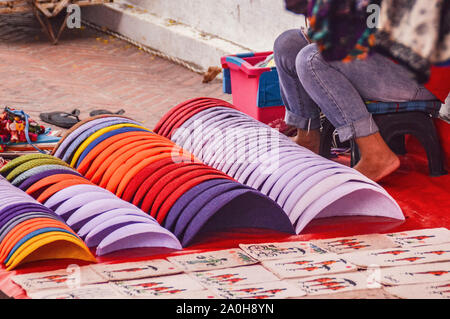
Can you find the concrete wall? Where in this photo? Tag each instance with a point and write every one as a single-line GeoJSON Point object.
{"type": "Point", "coordinates": [253, 24]}
{"type": "Point", "coordinates": [198, 32]}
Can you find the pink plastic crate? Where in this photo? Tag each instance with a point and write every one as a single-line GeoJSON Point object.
{"type": "Point", "coordinates": [255, 90]}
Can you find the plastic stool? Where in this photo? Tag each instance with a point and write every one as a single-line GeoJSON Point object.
{"type": "Point", "coordinates": [393, 127]}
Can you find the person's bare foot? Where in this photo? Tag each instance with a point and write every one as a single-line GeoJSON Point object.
{"type": "Point", "coordinates": [378, 168]}
{"type": "Point", "coordinates": [309, 140]}
{"type": "Point", "coordinates": [377, 159]}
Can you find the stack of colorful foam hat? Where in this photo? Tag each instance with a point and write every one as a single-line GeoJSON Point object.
{"type": "Point", "coordinates": [103, 220]}
{"type": "Point", "coordinates": [184, 195]}
{"type": "Point", "coordinates": [30, 231]}
{"type": "Point", "coordinates": [304, 184]}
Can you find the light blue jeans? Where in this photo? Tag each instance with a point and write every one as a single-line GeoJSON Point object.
{"type": "Point", "coordinates": [309, 85]}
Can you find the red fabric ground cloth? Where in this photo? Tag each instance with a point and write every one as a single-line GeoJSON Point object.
{"type": "Point", "coordinates": [439, 83]}
{"type": "Point", "coordinates": [425, 201]}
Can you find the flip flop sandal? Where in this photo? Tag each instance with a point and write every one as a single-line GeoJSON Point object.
{"type": "Point", "coordinates": [61, 119]}
{"type": "Point", "coordinates": [101, 112]}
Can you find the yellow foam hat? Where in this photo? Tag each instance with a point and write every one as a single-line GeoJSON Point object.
{"type": "Point", "coordinates": [51, 245]}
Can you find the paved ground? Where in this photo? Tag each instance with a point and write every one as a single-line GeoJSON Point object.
{"type": "Point", "coordinates": [89, 70]}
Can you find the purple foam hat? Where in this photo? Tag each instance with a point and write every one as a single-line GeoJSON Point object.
{"type": "Point", "coordinates": [188, 197]}
{"type": "Point", "coordinates": [193, 207]}
{"type": "Point", "coordinates": [238, 208]}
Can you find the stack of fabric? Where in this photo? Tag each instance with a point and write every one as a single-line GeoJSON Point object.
{"type": "Point", "coordinates": [104, 221]}
{"type": "Point", "coordinates": [150, 171]}
{"type": "Point", "coordinates": [304, 184]}
{"type": "Point", "coordinates": [30, 231]}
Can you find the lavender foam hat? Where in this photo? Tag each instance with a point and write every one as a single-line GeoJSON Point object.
{"type": "Point", "coordinates": [238, 208]}
{"type": "Point", "coordinates": [7, 193]}
{"type": "Point", "coordinates": [73, 135]}
{"type": "Point", "coordinates": [257, 179]}
{"type": "Point", "coordinates": [188, 197]}
{"type": "Point", "coordinates": [243, 175]}
{"type": "Point", "coordinates": [237, 130]}
{"type": "Point", "coordinates": [274, 151]}
{"type": "Point", "coordinates": [351, 199]}
{"type": "Point", "coordinates": [96, 235]}
{"type": "Point", "coordinates": [269, 163]}
{"type": "Point", "coordinates": [287, 185]}
{"type": "Point", "coordinates": [309, 178]}
{"type": "Point", "coordinates": [220, 146]}
{"type": "Point", "coordinates": [20, 213]}
{"type": "Point", "coordinates": [217, 147]}
{"type": "Point", "coordinates": [200, 117]}
{"type": "Point", "coordinates": [187, 128]}
{"type": "Point", "coordinates": [247, 155]}
{"type": "Point", "coordinates": [276, 182]}
{"type": "Point", "coordinates": [38, 169]}
{"type": "Point", "coordinates": [97, 220]}
{"type": "Point", "coordinates": [137, 236]}
{"type": "Point", "coordinates": [58, 198]}
{"type": "Point", "coordinates": [174, 121]}
{"type": "Point", "coordinates": [306, 198]}
{"type": "Point", "coordinates": [85, 213]}
{"type": "Point", "coordinates": [225, 154]}
{"type": "Point", "coordinates": [10, 194]}
{"type": "Point", "coordinates": [259, 153]}
{"type": "Point", "coordinates": [287, 170]}
{"type": "Point", "coordinates": [68, 207]}
{"type": "Point", "coordinates": [210, 134]}
{"type": "Point", "coordinates": [13, 200]}
{"type": "Point", "coordinates": [84, 135]}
